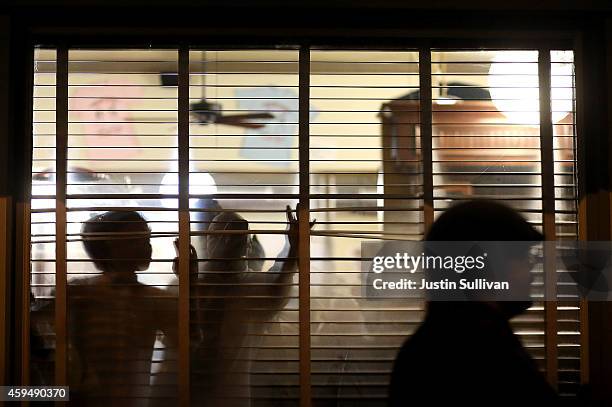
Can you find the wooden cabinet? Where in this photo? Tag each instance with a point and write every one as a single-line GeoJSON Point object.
{"type": "Point", "coordinates": [471, 142]}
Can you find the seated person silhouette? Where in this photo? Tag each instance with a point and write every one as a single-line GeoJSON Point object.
{"type": "Point", "coordinates": [113, 318]}
{"type": "Point", "coordinates": [465, 353]}
{"type": "Point", "coordinates": [232, 303]}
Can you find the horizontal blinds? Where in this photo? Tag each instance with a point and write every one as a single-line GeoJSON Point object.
{"type": "Point", "coordinates": [500, 89]}
{"type": "Point", "coordinates": [486, 145]}
{"type": "Point", "coordinates": [373, 156]}
{"type": "Point", "coordinates": [563, 107]}
{"type": "Point", "coordinates": [244, 324]}
{"type": "Point", "coordinates": [116, 158]}
{"type": "Point", "coordinates": [42, 229]}
{"type": "Point", "coordinates": [107, 112]}
{"type": "Point", "coordinates": [355, 340]}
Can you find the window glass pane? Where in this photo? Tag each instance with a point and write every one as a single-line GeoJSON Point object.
{"type": "Point", "coordinates": [563, 103]}
{"type": "Point", "coordinates": [42, 229]}
{"type": "Point", "coordinates": [244, 302]}
{"type": "Point", "coordinates": [354, 172]}
{"type": "Point", "coordinates": [366, 183]}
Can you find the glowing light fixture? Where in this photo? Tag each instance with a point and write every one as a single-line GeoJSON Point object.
{"type": "Point", "coordinates": [200, 183]}
{"type": "Point", "coordinates": [513, 83]}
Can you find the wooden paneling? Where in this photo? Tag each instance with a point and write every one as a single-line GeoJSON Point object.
{"type": "Point", "coordinates": [5, 258]}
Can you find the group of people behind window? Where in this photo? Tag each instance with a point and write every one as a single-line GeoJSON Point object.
{"type": "Point", "coordinates": [116, 323]}
{"type": "Point", "coordinates": [462, 353]}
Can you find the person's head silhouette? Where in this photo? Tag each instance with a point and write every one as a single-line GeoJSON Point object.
{"type": "Point", "coordinates": [228, 241]}
{"type": "Point", "coordinates": [118, 241]}
{"type": "Point", "coordinates": [488, 221]}
{"type": "Point", "coordinates": [482, 220]}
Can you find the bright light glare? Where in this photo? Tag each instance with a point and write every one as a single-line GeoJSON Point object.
{"type": "Point", "coordinates": [446, 101]}
{"type": "Point", "coordinates": [200, 183]}
{"type": "Point", "coordinates": [513, 83]}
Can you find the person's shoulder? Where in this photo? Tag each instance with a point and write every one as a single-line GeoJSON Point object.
{"type": "Point", "coordinates": [85, 284]}
{"type": "Point", "coordinates": [85, 281]}
{"type": "Point", "coordinates": [415, 350]}
{"type": "Point", "coordinates": [436, 342]}
{"type": "Point", "coordinates": [155, 292]}
{"type": "Point", "coordinates": [158, 298]}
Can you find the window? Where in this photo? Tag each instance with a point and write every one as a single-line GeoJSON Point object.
{"type": "Point", "coordinates": [373, 144]}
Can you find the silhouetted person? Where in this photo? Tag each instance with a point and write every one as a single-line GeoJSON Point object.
{"type": "Point", "coordinates": [114, 319]}
{"type": "Point", "coordinates": [232, 304]}
{"type": "Point", "coordinates": [465, 353]}
{"type": "Point", "coordinates": [41, 353]}
{"type": "Point", "coordinates": [165, 378]}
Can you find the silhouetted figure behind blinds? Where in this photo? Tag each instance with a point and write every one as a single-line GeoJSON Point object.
{"type": "Point", "coordinates": [202, 217]}
{"type": "Point", "coordinates": [232, 303]}
{"type": "Point", "coordinates": [41, 351]}
{"type": "Point", "coordinates": [465, 353]}
{"type": "Point", "coordinates": [113, 319]}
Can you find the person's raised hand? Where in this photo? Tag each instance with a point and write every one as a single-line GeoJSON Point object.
{"type": "Point", "coordinates": [293, 225]}
{"type": "Point", "coordinates": [193, 260]}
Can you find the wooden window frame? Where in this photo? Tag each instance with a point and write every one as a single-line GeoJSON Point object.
{"type": "Point", "coordinates": [424, 43]}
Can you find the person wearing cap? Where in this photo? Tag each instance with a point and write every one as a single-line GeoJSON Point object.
{"type": "Point", "coordinates": [465, 352]}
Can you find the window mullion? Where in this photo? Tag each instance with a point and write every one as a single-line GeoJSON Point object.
{"type": "Point", "coordinates": [548, 212]}
{"type": "Point", "coordinates": [184, 227]}
{"type": "Point", "coordinates": [61, 159]}
{"type": "Point", "coordinates": [304, 226]}
{"type": "Point", "coordinates": [426, 135]}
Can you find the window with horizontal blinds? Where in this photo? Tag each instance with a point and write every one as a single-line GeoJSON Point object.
{"type": "Point", "coordinates": [108, 98]}
{"type": "Point", "coordinates": [394, 138]}
{"type": "Point", "coordinates": [244, 325]}
{"type": "Point", "coordinates": [355, 340]}
{"type": "Point", "coordinates": [124, 154]}
{"type": "Point", "coordinates": [42, 218]}
{"type": "Point", "coordinates": [570, 311]}
{"type": "Point", "coordinates": [485, 143]}
{"type": "Point", "coordinates": [488, 146]}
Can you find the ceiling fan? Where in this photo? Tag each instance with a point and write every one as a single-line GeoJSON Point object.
{"type": "Point", "coordinates": [208, 112]}
{"type": "Point", "coordinates": [204, 112]}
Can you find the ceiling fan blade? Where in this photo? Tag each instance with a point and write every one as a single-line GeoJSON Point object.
{"type": "Point", "coordinates": [246, 116]}
{"type": "Point", "coordinates": [241, 120]}
{"type": "Point", "coordinates": [246, 125]}
{"type": "Point", "coordinates": [227, 120]}
{"type": "Point", "coordinates": [218, 119]}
